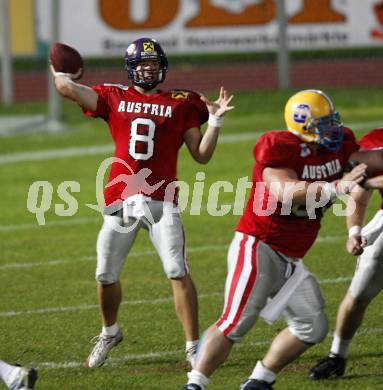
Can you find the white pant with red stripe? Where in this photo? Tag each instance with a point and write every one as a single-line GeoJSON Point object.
{"type": "Point", "coordinates": [257, 272]}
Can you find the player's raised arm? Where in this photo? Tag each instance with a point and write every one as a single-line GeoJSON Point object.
{"type": "Point", "coordinates": [202, 147]}
{"type": "Point", "coordinates": [85, 96]}
{"type": "Point", "coordinates": [67, 66]}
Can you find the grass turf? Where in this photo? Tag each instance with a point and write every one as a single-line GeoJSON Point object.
{"type": "Point", "coordinates": [48, 307]}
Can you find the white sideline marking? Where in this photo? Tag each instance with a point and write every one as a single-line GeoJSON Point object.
{"type": "Point", "coordinates": [131, 303]}
{"type": "Point", "coordinates": [113, 362]}
{"type": "Point", "coordinates": [138, 254]}
{"type": "Point", "coordinates": [93, 258]}
{"type": "Point", "coordinates": [61, 222]}
{"type": "Point", "coordinates": [90, 307]}
{"type": "Point", "coordinates": [47, 154]}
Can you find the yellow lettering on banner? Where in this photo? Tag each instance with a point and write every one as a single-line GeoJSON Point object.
{"type": "Point", "coordinates": [23, 40]}
{"type": "Point", "coordinates": [210, 15]}
{"type": "Point", "coordinates": [116, 14]}
{"type": "Point", "coordinates": [317, 11]}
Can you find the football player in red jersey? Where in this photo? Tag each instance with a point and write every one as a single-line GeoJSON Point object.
{"type": "Point", "coordinates": [148, 127]}
{"type": "Point", "coordinates": [275, 232]}
{"type": "Point", "coordinates": [367, 243]}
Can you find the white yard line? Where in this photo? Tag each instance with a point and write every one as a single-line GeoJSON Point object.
{"type": "Point", "coordinates": [61, 222]}
{"type": "Point", "coordinates": [48, 154]}
{"type": "Point", "coordinates": [53, 262]}
{"type": "Point", "coordinates": [65, 309]}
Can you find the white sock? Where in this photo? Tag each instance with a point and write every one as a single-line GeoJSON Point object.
{"type": "Point", "coordinates": [110, 330]}
{"type": "Point", "coordinates": [198, 378]}
{"type": "Point", "coordinates": [6, 371]}
{"type": "Point", "coordinates": [340, 347]}
{"type": "Point", "coordinates": [263, 373]}
{"type": "Point", "coordinates": [191, 344]}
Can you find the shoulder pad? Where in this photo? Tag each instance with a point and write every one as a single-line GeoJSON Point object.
{"type": "Point", "coordinates": [277, 149]}
{"type": "Point", "coordinates": [183, 94]}
{"type": "Point", "coordinates": [372, 140]}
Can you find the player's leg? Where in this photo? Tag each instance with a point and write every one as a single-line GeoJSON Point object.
{"type": "Point", "coordinates": [112, 249]}
{"type": "Point", "coordinates": [168, 237]}
{"type": "Point", "coordinates": [186, 307]}
{"type": "Point", "coordinates": [365, 286]}
{"type": "Point", "coordinates": [307, 325]}
{"type": "Point", "coordinates": [253, 276]}
{"type": "Point", "coordinates": [17, 377]}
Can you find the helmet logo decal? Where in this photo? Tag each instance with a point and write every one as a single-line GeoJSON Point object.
{"type": "Point", "coordinates": [130, 50]}
{"type": "Point", "coordinates": [301, 113]}
{"type": "Point", "coordinates": [148, 46]}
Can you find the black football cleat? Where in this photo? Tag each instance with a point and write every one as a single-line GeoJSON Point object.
{"type": "Point", "coordinates": [331, 365]}
{"type": "Point", "coordinates": [256, 384]}
{"type": "Point", "coordinates": [192, 386]}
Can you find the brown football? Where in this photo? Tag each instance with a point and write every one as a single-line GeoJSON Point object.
{"type": "Point", "coordinates": [66, 59]}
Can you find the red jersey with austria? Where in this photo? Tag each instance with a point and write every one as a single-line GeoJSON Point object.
{"type": "Point", "coordinates": [290, 230]}
{"type": "Point", "coordinates": [147, 131]}
{"type": "Point", "coordinates": [373, 140]}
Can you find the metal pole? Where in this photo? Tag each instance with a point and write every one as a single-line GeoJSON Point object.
{"type": "Point", "coordinates": [283, 51]}
{"type": "Point", "coordinates": [6, 54]}
{"type": "Point", "coordinates": [54, 100]}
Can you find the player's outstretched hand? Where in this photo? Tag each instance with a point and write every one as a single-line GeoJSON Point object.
{"type": "Point", "coordinates": [221, 105]}
{"type": "Point", "coordinates": [355, 244]}
{"type": "Point", "coordinates": [72, 76]}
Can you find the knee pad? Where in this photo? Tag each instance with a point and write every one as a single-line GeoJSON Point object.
{"type": "Point", "coordinates": [174, 271]}
{"type": "Point", "coordinates": [106, 278]}
{"type": "Point", "coordinates": [310, 330]}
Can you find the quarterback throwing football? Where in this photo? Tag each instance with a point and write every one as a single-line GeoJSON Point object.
{"type": "Point", "coordinates": [148, 127]}
{"type": "Point", "coordinates": [266, 276]}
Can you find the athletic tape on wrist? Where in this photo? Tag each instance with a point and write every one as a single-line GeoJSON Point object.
{"type": "Point", "coordinates": [215, 121]}
{"type": "Point", "coordinates": [354, 230]}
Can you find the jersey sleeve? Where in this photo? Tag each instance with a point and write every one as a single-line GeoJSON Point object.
{"type": "Point", "coordinates": [350, 145]}
{"type": "Point", "coordinates": [275, 150]}
{"type": "Point", "coordinates": [194, 110]}
{"type": "Point", "coordinates": [199, 106]}
{"type": "Point", "coordinates": [102, 110]}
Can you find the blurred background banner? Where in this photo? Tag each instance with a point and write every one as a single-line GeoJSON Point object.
{"type": "Point", "coordinates": [104, 27]}
{"type": "Point", "coordinates": [247, 44]}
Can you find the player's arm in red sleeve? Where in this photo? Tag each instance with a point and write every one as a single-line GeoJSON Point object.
{"type": "Point", "coordinates": [275, 152]}
{"type": "Point", "coordinates": [301, 191]}
{"type": "Point", "coordinates": [83, 95]}
{"type": "Point", "coordinates": [202, 146]}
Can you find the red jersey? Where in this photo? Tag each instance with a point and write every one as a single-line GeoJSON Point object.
{"type": "Point", "coordinates": [147, 131]}
{"type": "Point", "coordinates": [291, 234]}
{"type": "Point", "coordinates": [373, 140]}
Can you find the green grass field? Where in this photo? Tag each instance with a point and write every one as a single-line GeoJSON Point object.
{"type": "Point", "coordinates": [48, 306]}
